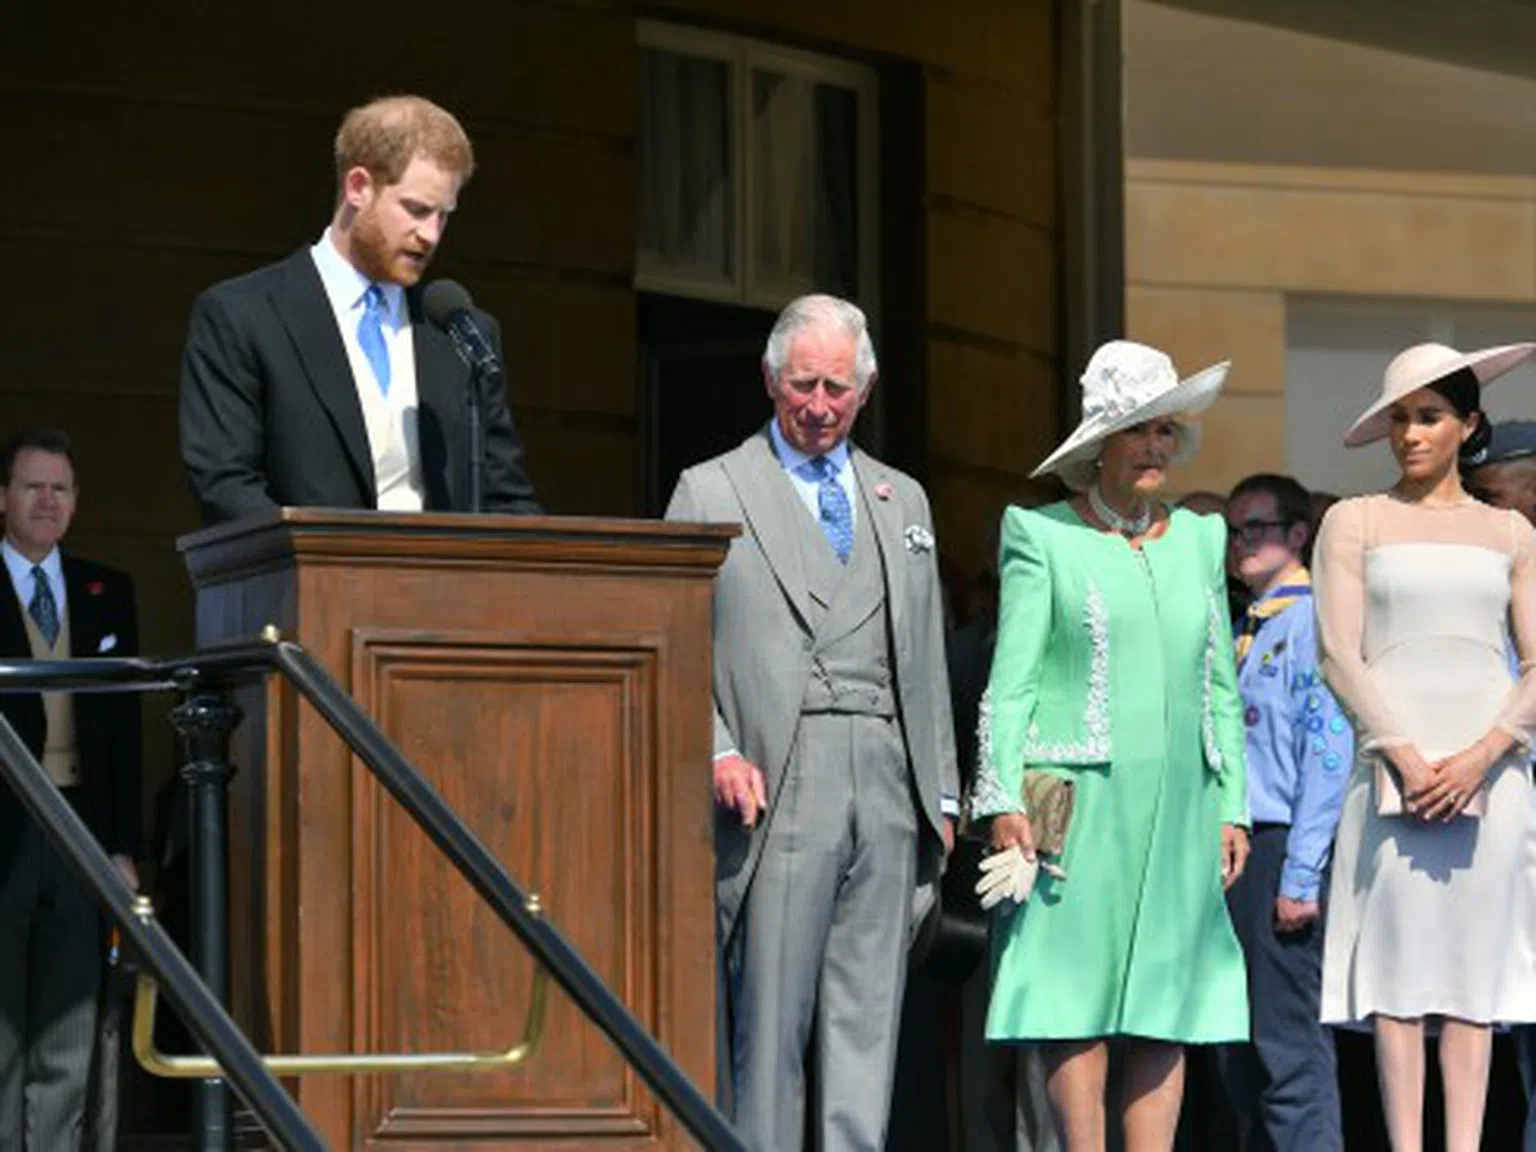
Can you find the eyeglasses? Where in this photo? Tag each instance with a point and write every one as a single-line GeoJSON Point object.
{"type": "Point", "coordinates": [1252, 532]}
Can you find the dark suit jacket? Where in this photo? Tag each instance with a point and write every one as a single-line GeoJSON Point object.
{"type": "Point", "coordinates": [107, 725]}
{"type": "Point", "coordinates": [270, 415]}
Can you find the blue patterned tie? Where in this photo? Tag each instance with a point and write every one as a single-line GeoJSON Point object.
{"type": "Point", "coordinates": [370, 335]}
{"type": "Point", "coordinates": [832, 501]}
{"type": "Point", "coordinates": [43, 609]}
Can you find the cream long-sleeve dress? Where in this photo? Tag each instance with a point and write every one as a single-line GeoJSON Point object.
{"type": "Point", "coordinates": [1414, 610]}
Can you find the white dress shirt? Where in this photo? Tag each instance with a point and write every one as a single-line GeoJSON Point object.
{"type": "Point", "coordinates": [20, 569]}
{"type": "Point", "coordinates": [391, 420]}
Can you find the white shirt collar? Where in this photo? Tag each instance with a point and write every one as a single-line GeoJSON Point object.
{"type": "Point", "coordinates": [345, 285]}
{"type": "Point", "coordinates": [792, 458]}
{"type": "Point", "coordinates": [20, 569]}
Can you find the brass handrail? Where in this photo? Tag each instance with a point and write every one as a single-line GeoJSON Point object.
{"type": "Point", "coordinates": [175, 1067]}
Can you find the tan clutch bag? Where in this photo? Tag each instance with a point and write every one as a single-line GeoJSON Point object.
{"type": "Point", "coordinates": [1389, 793]}
{"type": "Point", "coordinates": [1048, 802]}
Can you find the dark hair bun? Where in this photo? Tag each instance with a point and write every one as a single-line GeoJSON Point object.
{"type": "Point", "coordinates": [1475, 450]}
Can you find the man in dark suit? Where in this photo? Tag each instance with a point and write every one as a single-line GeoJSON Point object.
{"type": "Point", "coordinates": [57, 606]}
{"type": "Point", "coordinates": [317, 381]}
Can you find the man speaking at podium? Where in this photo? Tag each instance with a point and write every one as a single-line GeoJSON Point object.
{"type": "Point", "coordinates": [317, 381]}
{"type": "Point", "coordinates": [834, 759]}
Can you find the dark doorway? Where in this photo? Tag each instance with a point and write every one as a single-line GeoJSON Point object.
{"type": "Point", "coordinates": [702, 384]}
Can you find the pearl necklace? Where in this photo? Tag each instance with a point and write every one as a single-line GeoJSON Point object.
{"type": "Point", "coordinates": [1131, 526]}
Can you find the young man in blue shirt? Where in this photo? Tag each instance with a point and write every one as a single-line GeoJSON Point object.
{"type": "Point", "coordinates": [1300, 748]}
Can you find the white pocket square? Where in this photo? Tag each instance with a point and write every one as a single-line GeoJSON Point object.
{"type": "Point", "coordinates": [919, 539]}
{"type": "Point", "coordinates": [108, 642]}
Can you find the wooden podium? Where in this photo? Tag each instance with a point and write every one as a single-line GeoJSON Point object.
{"type": "Point", "coordinates": [551, 678]}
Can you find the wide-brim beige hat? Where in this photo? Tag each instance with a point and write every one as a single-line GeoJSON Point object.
{"type": "Point", "coordinates": [1126, 384]}
{"type": "Point", "coordinates": [1422, 365]}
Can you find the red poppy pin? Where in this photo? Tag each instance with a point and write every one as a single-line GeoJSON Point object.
{"type": "Point", "coordinates": [884, 491]}
{"type": "Point", "coordinates": [94, 588]}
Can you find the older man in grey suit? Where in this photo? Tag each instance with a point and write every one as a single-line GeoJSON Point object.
{"type": "Point", "coordinates": [834, 768]}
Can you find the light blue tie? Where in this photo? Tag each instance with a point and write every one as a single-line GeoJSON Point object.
{"type": "Point", "coordinates": [43, 609]}
{"type": "Point", "coordinates": [370, 336]}
{"type": "Point", "coordinates": [832, 502]}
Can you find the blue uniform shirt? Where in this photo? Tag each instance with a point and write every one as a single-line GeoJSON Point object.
{"type": "Point", "coordinates": [1300, 746]}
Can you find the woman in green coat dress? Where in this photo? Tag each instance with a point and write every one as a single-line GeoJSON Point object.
{"type": "Point", "coordinates": [1114, 670]}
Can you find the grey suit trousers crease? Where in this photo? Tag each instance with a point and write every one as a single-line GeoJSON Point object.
{"type": "Point", "coordinates": [1284, 1085]}
{"type": "Point", "coordinates": [50, 971]}
{"type": "Point", "coordinates": [823, 942]}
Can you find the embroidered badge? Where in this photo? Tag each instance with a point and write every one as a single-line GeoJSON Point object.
{"type": "Point", "coordinates": [919, 539]}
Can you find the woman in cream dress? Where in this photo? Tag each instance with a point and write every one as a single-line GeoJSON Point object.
{"type": "Point", "coordinates": [1431, 913]}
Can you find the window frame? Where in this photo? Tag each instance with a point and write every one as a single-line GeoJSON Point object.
{"type": "Point", "coordinates": [744, 56]}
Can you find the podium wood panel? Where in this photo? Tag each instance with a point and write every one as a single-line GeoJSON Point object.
{"type": "Point", "coordinates": [551, 679]}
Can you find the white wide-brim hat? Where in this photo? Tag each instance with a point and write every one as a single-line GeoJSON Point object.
{"type": "Point", "coordinates": [1422, 365]}
{"type": "Point", "coordinates": [1126, 384]}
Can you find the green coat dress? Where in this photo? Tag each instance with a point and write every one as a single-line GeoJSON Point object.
{"type": "Point", "coordinates": [1114, 667]}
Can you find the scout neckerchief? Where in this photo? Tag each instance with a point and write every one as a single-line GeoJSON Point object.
{"type": "Point", "coordinates": [1299, 585]}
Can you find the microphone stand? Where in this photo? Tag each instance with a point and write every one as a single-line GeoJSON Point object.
{"type": "Point", "coordinates": [482, 370]}
{"type": "Point", "coordinates": [477, 375]}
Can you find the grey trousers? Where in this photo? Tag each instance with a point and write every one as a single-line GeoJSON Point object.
{"type": "Point", "coordinates": [818, 961]}
{"type": "Point", "coordinates": [50, 973]}
{"type": "Point", "coordinates": [1284, 1086]}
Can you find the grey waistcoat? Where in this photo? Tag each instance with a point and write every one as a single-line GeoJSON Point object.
{"type": "Point", "coordinates": [851, 662]}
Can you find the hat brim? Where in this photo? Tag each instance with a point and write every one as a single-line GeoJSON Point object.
{"type": "Point", "coordinates": [1487, 363]}
{"type": "Point", "coordinates": [1189, 397]}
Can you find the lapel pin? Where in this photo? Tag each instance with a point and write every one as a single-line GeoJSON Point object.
{"type": "Point", "coordinates": [94, 588]}
{"type": "Point", "coordinates": [883, 491]}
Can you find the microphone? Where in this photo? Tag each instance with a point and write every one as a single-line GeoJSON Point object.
{"type": "Point", "coordinates": [447, 306]}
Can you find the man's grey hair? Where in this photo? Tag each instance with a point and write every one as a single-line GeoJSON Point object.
{"type": "Point", "coordinates": [818, 308]}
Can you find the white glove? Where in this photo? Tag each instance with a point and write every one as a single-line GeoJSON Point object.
{"type": "Point", "coordinates": [1006, 875]}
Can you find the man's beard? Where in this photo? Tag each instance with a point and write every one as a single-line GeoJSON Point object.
{"type": "Point", "coordinates": [372, 256]}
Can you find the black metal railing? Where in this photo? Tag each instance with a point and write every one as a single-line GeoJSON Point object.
{"type": "Point", "coordinates": [204, 719]}
{"type": "Point", "coordinates": [200, 1009]}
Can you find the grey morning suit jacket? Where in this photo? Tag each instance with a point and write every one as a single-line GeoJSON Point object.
{"type": "Point", "coordinates": [762, 637]}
